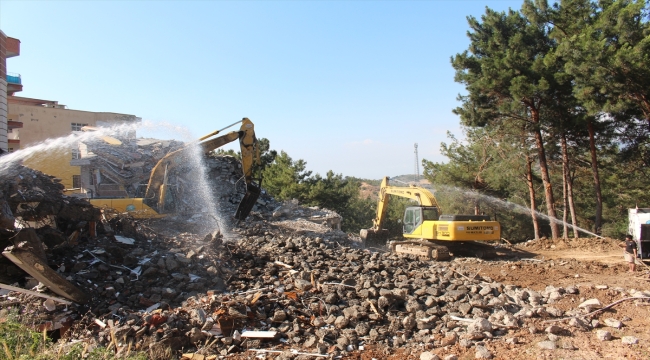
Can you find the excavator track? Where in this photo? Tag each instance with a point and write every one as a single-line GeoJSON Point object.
{"type": "Point", "coordinates": [474, 249]}
{"type": "Point", "coordinates": [424, 250]}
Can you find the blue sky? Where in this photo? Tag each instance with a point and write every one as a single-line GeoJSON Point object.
{"type": "Point", "coordinates": [347, 86]}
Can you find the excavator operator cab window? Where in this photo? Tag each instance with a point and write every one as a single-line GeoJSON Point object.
{"type": "Point", "coordinates": [408, 221]}
{"type": "Point", "coordinates": [412, 219]}
{"type": "Point", "coordinates": [430, 213]}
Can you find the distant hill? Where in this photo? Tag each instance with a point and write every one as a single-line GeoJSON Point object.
{"type": "Point", "coordinates": [370, 188]}
{"type": "Point", "coordinates": [409, 179]}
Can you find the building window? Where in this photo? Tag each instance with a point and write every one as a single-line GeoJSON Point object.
{"type": "Point", "coordinates": [77, 126]}
{"type": "Point", "coordinates": [76, 181]}
{"type": "Point", "coordinates": [76, 154]}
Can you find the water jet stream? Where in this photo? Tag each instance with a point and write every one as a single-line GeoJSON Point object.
{"type": "Point", "coordinates": [510, 206]}
{"type": "Point", "coordinates": [204, 197]}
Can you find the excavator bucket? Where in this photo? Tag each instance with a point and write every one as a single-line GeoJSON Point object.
{"type": "Point", "coordinates": [246, 205]}
{"type": "Point", "coordinates": [374, 238]}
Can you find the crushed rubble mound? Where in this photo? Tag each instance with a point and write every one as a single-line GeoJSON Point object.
{"type": "Point", "coordinates": [593, 244]}
{"type": "Point", "coordinates": [283, 283]}
{"type": "Point", "coordinates": [129, 164]}
{"type": "Point", "coordinates": [280, 289]}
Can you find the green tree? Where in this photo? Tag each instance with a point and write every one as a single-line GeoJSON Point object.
{"type": "Point", "coordinates": [487, 168]}
{"type": "Point", "coordinates": [507, 80]}
{"type": "Point", "coordinates": [285, 178]}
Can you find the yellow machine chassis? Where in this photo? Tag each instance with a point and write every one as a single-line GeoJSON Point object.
{"type": "Point", "coordinates": [134, 206]}
{"type": "Point", "coordinates": [456, 231]}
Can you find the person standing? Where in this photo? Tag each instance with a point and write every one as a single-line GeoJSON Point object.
{"type": "Point", "coordinates": [630, 252]}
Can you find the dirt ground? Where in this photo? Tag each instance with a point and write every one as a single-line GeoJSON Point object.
{"type": "Point", "coordinates": [595, 266]}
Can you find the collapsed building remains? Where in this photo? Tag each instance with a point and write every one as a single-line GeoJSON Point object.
{"type": "Point", "coordinates": [283, 281]}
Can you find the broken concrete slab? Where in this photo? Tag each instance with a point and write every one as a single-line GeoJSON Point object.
{"type": "Point", "coordinates": [26, 239]}
{"type": "Point", "coordinates": [259, 334]}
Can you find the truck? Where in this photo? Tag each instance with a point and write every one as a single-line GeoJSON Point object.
{"type": "Point", "coordinates": [639, 228]}
{"type": "Point", "coordinates": [428, 233]}
{"type": "Point", "coordinates": [158, 200]}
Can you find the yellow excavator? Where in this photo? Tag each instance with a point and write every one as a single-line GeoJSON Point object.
{"type": "Point", "coordinates": [158, 201]}
{"type": "Point", "coordinates": [430, 234]}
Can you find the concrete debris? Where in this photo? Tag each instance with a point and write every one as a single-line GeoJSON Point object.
{"type": "Point", "coordinates": [286, 283]}
{"type": "Point", "coordinates": [292, 209]}
{"type": "Point", "coordinates": [427, 355]}
{"type": "Point", "coordinates": [603, 335]}
{"type": "Point", "coordinates": [34, 293]}
{"type": "Point", "coordinates": [124, 240]}
{"type": "Point", "coordinates": [613, 323]}
{"type": "Point", "coordinates": [25, 259]}
{"type": "Point", "coordinates": [547, 345]}
{"type": "Point", "coordinates": [591, 304]}
{"type": "Point", "coordinates": [259, 334]}
{"type": "Point", "coordinates": [629, 340]}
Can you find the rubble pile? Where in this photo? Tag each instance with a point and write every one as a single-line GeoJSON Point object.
{"type": "Point", "coordinates": [286, 281]}
{"type": "Point", "coordinates": [226, 181]}
{"type": "Point", "coordinates": [280, 289]}
{"type": "Point", "coordinates": [34, 213]}
{"type": "Point", "coordinates": [293, 210]}
{"type": "Point", "coordinates": [128, 164]}
{"type": "Point", "coordinates": [598, 244]}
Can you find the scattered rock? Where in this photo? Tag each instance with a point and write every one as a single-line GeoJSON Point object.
{"type": "Point", "coordinates": [482, 353]}
{"type": "Point", "coordinates": [603, 335]}
{"type": "Point", "coordinates": [554, 329]}
{"type": "Point", "coordinates": [547, 345]}
{"type": "Point", "coordinates": [590, 305]}
{"type": "Point", "coordinates": [429, 356]}
{"type": "Point", "coordinates": [613, 323]}
{"type": "Point", "coordinates": [629, 340]}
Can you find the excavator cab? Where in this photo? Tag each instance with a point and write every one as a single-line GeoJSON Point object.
{"type": "Point", "coordinates": [414, 216]}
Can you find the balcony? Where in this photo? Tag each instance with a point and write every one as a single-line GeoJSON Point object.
{"type": "Point", "coordinates": [13, 78]}
{"type": "Point", "coordinates": [11, 124]}
{"type": "Point", "coordinates": [14, 83]}
{"type": "Point", "coordinates": [13, 47]}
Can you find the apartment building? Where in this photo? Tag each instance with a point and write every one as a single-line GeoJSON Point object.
{"type": "Point", "coordinates": [10, 83]}
{"type": "Point", "coordinates": [25, 122]}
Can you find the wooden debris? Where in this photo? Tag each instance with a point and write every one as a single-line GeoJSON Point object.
{"type": "Point", "coordinates": [256, 297]}
{"type": "Point", "coordinates": [283, 264]}
{"type": "Point", "coordinates": [34, 293]}
{"type": "Point", "coordinates": [295, 352]}
{"type": "Point", "coordinates": [350, 286]}
{"type": "Point", "coordinates": [193, 356]}
{"type": "Point", "coordinates": [374, 309]}
{"type": "Point", "coordinates": [41, 271]}
{"type": "Point", "coordinates": [602, 309]}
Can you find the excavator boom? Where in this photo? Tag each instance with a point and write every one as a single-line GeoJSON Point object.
{"type": "Point", "coordinates": [154, 203]}
{"type": "Point", "coordinates": [157, 186]}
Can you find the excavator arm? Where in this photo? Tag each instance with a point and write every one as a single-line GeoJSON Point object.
{"type": "Point", "coordinates": [157, 187]}
{"type": "Point", "coordinates": [423, 196]}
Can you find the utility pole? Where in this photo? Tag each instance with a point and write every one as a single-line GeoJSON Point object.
{"type": "Point", "coordinates": [417, 165]}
